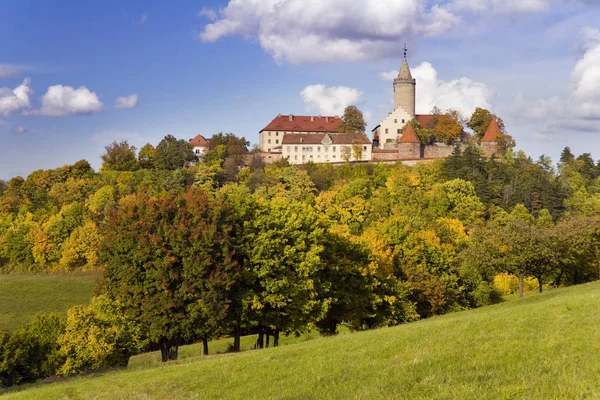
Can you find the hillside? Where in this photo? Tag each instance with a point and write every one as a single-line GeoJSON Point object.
{"type": "Point", "coordinates": [544, 346]}
{"type": "Point", "coordinates": [23, 296]}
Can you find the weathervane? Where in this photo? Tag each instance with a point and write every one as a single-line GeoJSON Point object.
{"type": "Point", "coordinates": [405, 49]}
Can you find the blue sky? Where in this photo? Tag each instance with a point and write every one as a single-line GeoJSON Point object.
{"type": "Point", "coordinates": [215, 66]}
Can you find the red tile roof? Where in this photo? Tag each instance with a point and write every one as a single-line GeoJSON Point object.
{"type": "Point", "coordinates": [409, 135]}
{"type": "Point", "coordinates": [492, 132]}
{"type": "Point", "coordinates": [301, 123]}
{"type": "Point", "coordinates": [317, 138]}
{"type": "Point", "coordinates": [423, 119]}
{"type": "Point", "coordinates": [199, 141]}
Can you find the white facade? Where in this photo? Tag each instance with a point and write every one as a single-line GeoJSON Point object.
{"type": "Point", "coordinates": [391, 128]}
{"type": "Point", "coordinates": [200, 150]}
{"type": "Point", "coordinates": [325, 152]}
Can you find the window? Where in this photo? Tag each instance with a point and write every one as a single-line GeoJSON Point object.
{"type": "Point", "coordinates": [311, 157]}
{"type": "Point", "coordinates": [386, 130]}
{"type": "Point", "coordinates": [318, 148]}
{"type": "Point", "coordinates": [398, 131]}
{"type": "Point", "coordinates": [364, 148]}
{"type": "Point", "coordinates": [269, 133]}
{"type": "Point", "coordinates": [319, 156]}
{"type": "Point", "coordinates": [276, 133]}
{"type": "Point", "coordinates": [295, 157]}
{"type": "Point", "coordinates": [295, 148]}
{"type": "Point", "coordinates": [303, 157]}
{"type": "Point", "coordinates": [402, 121]}
{"type": "Point", "coordinates": [269, 141]}
{"type": "Point", "coordinates": [289, 148]}
{"type": "Point", "coordinates": [277, 140]}
{"type": "Point", "coordinates": [334, 156]}
{"type": "Point", "coordinates": [197, 151]}
{"type": "Point", "coordinates": [333, 148]}
{"type": "Point", "coordinates": [395, 121]}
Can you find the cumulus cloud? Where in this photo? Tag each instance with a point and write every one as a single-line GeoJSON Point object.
{"type": "Point", "coordinates": [461, 94]}
{"type": "Point", "coordinates": [389, 76]}
{"type": "Point", "coordinates": [505, 7]}
{"type": "Point", "coordinates": [19, 129]}
{"type": "Point", "coordinates": [64, 100]}
{"type": "Point", "coordinates": [7, 71]}
{"type": "Point", "coordinates": [14, 101]}
{"type": "Point", "coordinates": [208, 13]}
{"type": "Point", "coordinates": [580, 110]}
{"type": "Point", "coordinates": [329, 100]}
{"type": "Point", "coordinates": [126, 101]}
{"type": "Point", "coordinates": [303, 31]}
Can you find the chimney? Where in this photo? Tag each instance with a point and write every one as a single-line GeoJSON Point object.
{"type": "Point", "coordinates": [312, 118]}
{"type": "Point", "coordinates": [301, 140]}
{"type": "Point", "coordinates": [326, 119]}
{"type": "Point", "coordinates": [291, 117]}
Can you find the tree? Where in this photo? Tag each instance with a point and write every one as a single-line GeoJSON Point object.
{"type": "Point", "coordinates": [346, 153]}
{"type": "Point", "coordinates": [352, 121]}
{"type": "Point", "coordinates": [31, 352]}
{"type": "Point", "coordinates": [173, 154]}
{"type": "Point", "coordinates": [98, 336]}
{"type": "Point", "coordinates": [480, 121]}
{"type": "Point", "coordinates": [146, 156]}
{"type": "Point", "coordinates": [566, 156]}
{"type": "Point", "coordinates": [448, 128]}
{"type": "Point", "coordinates": [119, 157]}
{"type": "Point", "coordinates": [357, 150]}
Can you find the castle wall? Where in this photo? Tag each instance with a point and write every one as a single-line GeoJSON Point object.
{"type": "Point", "coordinates": [437, 150]}
{"type": "Point", "coordinates": [385, 155]}
{"type": "Point", "coordinates": [489, 148]}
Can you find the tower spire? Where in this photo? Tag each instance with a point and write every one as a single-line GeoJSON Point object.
{"type": "Point", "coordinates": [405, 50]}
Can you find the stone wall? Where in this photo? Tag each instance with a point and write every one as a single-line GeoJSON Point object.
{"type": "Point", "coordinates": [437, 150]}
{"type": "Point", "coordinates": [385, 155]}
{"type": "Point", "coordinates": [410, 150]}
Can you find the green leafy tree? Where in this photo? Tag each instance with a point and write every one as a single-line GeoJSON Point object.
{"type": "Point", "coordinates": [480, 121]}
{"type": "Point", "coordinates": [119, 157]}
{"type": "Point", "coordinates": [173, 154]}
{"type": "Point", "coordinates": [146, 156]}
{"type": "Point", "coordinates": [352, 121]}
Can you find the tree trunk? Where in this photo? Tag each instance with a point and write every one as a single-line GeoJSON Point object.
{"type": "Point", "coordinates": [539, 279]}
{"type": "Point", "coordinates": [268, 338]}
{"type": "Point", "coordinates": [521, 279]}
{"type": "Point", "coordinates": [598, 268]}
{"type": "Point", "coordinates": [260, 343]}
{"type": "Point", "coordinates": [168, 351]}
{"type": "Point", "coordinates": [236, 337]}
{"type": "Point", "coordinates": [205, 345]}
{"type": "Point", "coordinates": [276, 338]}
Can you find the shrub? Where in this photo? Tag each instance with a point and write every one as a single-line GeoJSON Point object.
{"type": "Point", "coordinates": [98, 336]}
{"type": "Point", "coordinates": [509, 284]}
{"type": "Point", "coordinates": [31, 352]}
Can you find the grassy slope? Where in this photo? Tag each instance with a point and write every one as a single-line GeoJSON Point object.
{"type": "Point", "coordinates": [542, 347]}
{"type": "Point", "coordinates": [23, 296]}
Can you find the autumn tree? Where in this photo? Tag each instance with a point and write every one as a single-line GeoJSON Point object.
{"type": "Point", "coordinates": [352, 121]}
{"type": "Point", "coordinates": [480, 121]}
{"type": "Point", "coordinates": [146, 156]}
{"type": "Point", "coordinates": [119, 157]}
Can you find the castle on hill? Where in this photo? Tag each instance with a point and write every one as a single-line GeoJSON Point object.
{"type": "Point", "coordinates": [301, 139]}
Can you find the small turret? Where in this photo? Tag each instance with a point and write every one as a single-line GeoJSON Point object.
{"type": "Point", "coordinates": [409, 146]}
{"type": "Point", "coordinates": [489, 144]}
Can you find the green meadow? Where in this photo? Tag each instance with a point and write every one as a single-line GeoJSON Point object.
{"type": "Point", "coordinates": [23, 296]}
{"type": "Point", "coordinates": [541, 347]}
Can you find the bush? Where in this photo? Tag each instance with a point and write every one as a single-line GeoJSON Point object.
{"type": "Point", "coordinates": [98, 336]}
{"type": "Point", "coordinates": [31, 352]}
{"type": "Point", "coordinates": [509, 284]}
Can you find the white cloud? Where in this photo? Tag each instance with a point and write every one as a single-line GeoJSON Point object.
{"type": "Point", "coordinates": [580, 110]}
{"type": "Point", "coordinates": [20, 129]}
{"type": "Point", "coordinates": [329, 100]}
{"type": "Point", "coordinates": [64, 100]}
{"type": "Point", "coordinates": [14, 101]}
{"type": "Point", "coordinates": [208, 13]}
{"type": "Point", "coordinates": [126, 101]}
{"type": "Point", "coordinates": [461, 94]}
{"type": "Point", "coordinates": [505, 7]}
{"type": "Point", "coordinates": [389, 76]}
{"type": "Point", "coordinates": [302, 31]}
{"type": "Point", "coordinates": [143, 18]}
{"type": "Point", "coordinates": [7, 71]}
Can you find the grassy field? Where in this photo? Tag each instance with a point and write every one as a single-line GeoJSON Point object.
{"type": "Point", "coordinates": [541, 347]}
{"type": "Point", "coordinates": [23, 296]}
